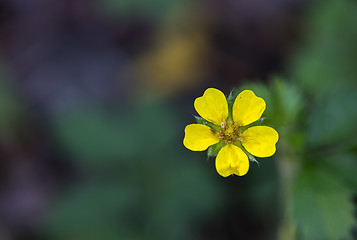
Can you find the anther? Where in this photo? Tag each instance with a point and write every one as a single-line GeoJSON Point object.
{"type": "Point", "coordinates": [223, 124]}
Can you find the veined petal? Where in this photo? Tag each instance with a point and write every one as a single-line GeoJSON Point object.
{"type": "Point", "coordinates": [212, 106]}
{"type": "Point", "coordinates": [232, 160]}
{"type": "Point", "coordinates": [247, 108]}
{"type": "Point", "coordinates": [260, 140]}
{"type": "Point", "coordinates": [199, 137]}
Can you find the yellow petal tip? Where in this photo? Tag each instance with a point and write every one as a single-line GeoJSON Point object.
{"type": "Point", "coordinates": [199, 137]}
{"type": "Point", "coordinates": [212, 106]}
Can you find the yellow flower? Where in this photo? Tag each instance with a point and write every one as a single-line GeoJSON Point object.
{"type": "Point", "coordinates": [231, 130]}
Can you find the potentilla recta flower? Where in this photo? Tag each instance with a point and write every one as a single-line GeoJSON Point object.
{"type": "Point", "coordinates": [227, 127]}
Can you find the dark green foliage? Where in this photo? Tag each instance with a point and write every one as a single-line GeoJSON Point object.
{"type": "Point", "coordinates": [138, 181]}
{"type": "Point", "coordinates": [322, 205]}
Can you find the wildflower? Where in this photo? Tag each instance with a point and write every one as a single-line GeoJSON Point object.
{"type": "Point", "coordinates": [230, 128]}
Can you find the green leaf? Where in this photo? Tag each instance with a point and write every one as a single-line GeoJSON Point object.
{"type": "Point", "coordinates": [287, 100]}
{"type": "Point", "coordinates": [333, 119]}
{"type": "Point", "coordinates": [94, 211]}
{"type": "Point", "coordinates": [343, 166]}
{"type": "Point", "coordinates": [90, 133]}
{"type": "Point", "coordinates": [162, 198]}
{"type": "Point", "coordinates": [322, 206]}
{"type": "Point", "coordinates": [214, 149]}
{"type": "Point", "coordinates": [325, 61]}
{"type": "Point", "coordinates": [284, 101]}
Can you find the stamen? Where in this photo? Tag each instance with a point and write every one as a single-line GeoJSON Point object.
{"type": "Point", "coordinates": [230, 132]}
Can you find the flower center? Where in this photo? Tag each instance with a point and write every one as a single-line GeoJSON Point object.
{"type": "Point", "coordinates": [230, 132]}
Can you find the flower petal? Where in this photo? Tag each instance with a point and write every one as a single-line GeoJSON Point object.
{"type": "Point", "coordinates": [199, 137]}
{"type": "Point", "coordinates": [260, 140]}
{"type": "Point", "coordinates": [232, 160]}
{"type": "Point", "coordinates": [247, 108]}
{"type": "Point", "coordinates": [212, 106]}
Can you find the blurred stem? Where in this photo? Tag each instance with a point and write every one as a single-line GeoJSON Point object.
{"type": "Point", "coordinates": [287, 168]}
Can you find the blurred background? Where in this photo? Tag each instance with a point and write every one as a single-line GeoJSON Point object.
{"type": "Point", "coordinates": [95, 95]}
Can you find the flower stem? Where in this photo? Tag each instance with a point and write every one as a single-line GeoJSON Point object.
{"type": "Point", "coordinates": [287, 168]}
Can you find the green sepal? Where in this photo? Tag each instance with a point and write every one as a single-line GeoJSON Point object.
{"type": "Point", "coordinates": [200, 120]}
{"type": "Point", "coordinates": [214, 149]}
{"type": "Point", "coordinates": [252, 158]}
{"type": "Point", "coordinates": [232, 96]}
{"type": "Point", "coordinates": [259, 122]}
{"type": "Point", "coordinates": [230, 100]}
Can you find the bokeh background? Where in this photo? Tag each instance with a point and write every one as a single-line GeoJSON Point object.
{"type": "Point", "coordinates": [95, 95]}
